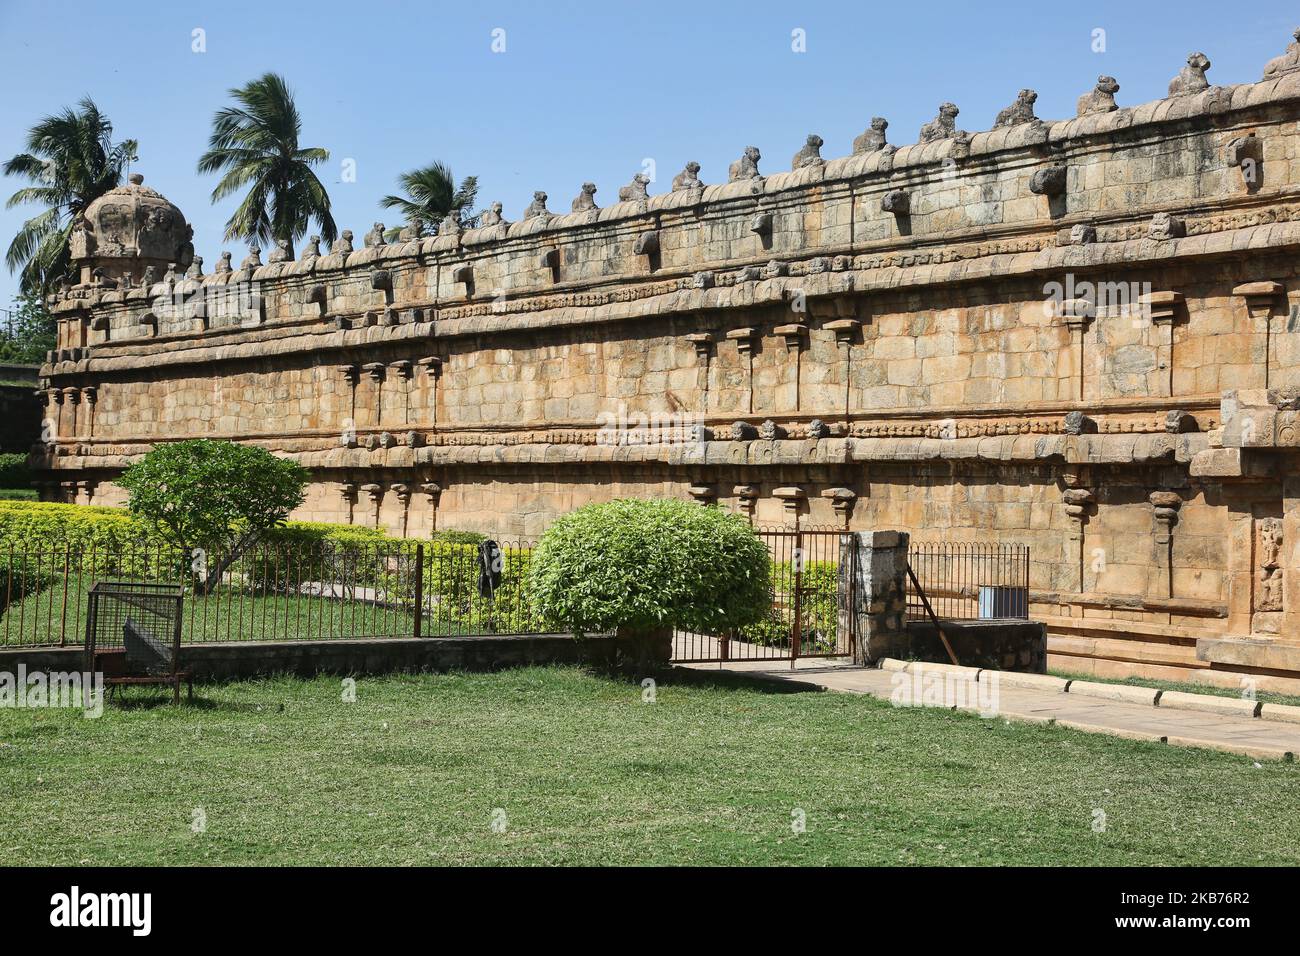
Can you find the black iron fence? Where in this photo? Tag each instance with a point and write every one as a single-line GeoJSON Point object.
{"type": "Point", "coordinates": [969, 581]}
{"type": "Point", "coordinates": [802, 619]}
{"type": "Point", "coordinates": [280, 592]}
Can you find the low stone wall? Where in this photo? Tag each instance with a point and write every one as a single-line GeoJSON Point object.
{"type": "Point", "coordinates": [230, 661]}
{"type": "Point", "coordinates": [1005, 645]}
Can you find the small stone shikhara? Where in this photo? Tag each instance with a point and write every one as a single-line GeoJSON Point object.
{"type": "Point", "coordinates": [893, 296]}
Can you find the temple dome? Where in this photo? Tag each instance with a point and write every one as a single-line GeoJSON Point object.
{"type": "Point", "coordinates": [133, 223]}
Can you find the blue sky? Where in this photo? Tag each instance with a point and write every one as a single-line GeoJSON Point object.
{"type": "Point", "coordinates": [583, 91]}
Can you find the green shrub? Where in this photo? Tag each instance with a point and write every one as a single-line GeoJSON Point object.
{"type": "Point", "coordinates": [647, 565]}
{"type": "Point", "coordinates": [14, 472]}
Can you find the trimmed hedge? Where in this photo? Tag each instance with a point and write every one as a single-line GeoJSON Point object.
{"type": "Point", "coordinates": [650, 565]}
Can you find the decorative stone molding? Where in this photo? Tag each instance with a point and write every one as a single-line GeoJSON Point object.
{"type": "Point", "coordinates": [770, 431]}
{"type": "Point", "coordinates": [1260, 297]}
{"type": "Point", "coordinates": [1077, 423]}
{"type": "Point", "coordinates": [744, 338]}
{"type": "Point", "coordinates": [1178, 422]}
{"type": "Point", "coordinates": [795, 335]}
{"type": "Point", "coordinates": [792, 499]}
{"type": "Point", "coordinates": [896, 201]}
{"type": "Point", "coordinates": [703, 280]}
{"type": "Point", "coordinates": [842, 500]}
{"type": "Point", "coordinates": [704, 494]}
{"type": "Point", "coordinates": [1083, 233]}
{"type": "Point", "coordinates": [1049, 181]}
{"type": "Point", "coordinates": [1165, 226]}
{"type": "Point", "coordinates": [746, 498]}
{"type": "Point", "coordinates": [1162, 307]}
{"type": "Point", "coordinates": [647, 243]}
{"type": "Point", "coordinates": [846, 330]}
{"type": "Point", "coordinates": [702, 342]}
{"type": "Point", "coordinates": [743, 431]}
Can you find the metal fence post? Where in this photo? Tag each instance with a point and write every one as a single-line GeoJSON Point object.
{"type": "Point", "coordinates": [419, 589]}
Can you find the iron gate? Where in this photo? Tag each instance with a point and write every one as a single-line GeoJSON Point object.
{"type": "Point", "coordinates": [803, 618]}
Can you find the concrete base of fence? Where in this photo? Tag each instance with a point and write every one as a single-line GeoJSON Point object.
{"type": "Point", "coordinates": [1005, 645]}
{"type": "Point", "coordinates": [227, 661]}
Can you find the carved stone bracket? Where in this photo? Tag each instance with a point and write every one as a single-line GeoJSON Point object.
{"type": "Point", "coordinates": [704, 494]}
{"type": "Point", "coordinates": [846, 330]}
{"type": "Point", "coordinates": [795, 334]}
{"type": "Point", "coordinates": [842, 500]}
{"type": "Point", "coordinates": [792, 499]}
{"type": "Point", "coordinates": [703, 344]}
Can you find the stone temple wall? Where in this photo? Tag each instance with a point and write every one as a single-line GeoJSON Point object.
{"type": "Point", "coordinates": [1080, 335]}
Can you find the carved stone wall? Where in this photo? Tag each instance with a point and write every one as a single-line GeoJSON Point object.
{"type": "Point", "coordinates": [1083, 335]}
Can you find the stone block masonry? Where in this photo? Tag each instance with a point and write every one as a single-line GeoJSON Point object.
{"type": "Point", "coordinates": [1081, 335]}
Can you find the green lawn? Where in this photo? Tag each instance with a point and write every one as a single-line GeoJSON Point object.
{"type": "Point", "coordinates": [585, 772]}
{"type": "Point", "coordinates": [226, 615]}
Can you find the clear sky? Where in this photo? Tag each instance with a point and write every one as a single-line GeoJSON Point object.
{"type": "Point", "coordinates": [582, 90]}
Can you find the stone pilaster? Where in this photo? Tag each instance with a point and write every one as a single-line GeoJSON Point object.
{"type": "Point", "coordinates": [746, 498]}
{"type": "Point", "coordinates": [1078, 502]}
{"type": "Point", "coordinates": [402, 372]}
{"type": "Point", "coordinates": [746, 340]}
{"type": "Point", "coordinates": [1260, 299]}
{"type": "Point", "coordinates": [1077, 314]}
{"type": "Point", "coordinates": [376, 371]}
{"type": "Point", "coordinates": [795, 336]}
{"type": "Point", "coordinates": [1164, 511]}
{"type": "Point", "coordinates": [432, 491]}
{"type": "Point", "coordinates": [702, 342]}
{"type": "Point", "coordinates": [1163, 308]}
{"type": "Point", "coordinates": [792, 500]}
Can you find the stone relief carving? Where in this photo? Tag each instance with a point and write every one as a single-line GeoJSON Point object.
{"type": "Point", "coordinates": [585, 201]}
{"type": "Point", "coordinates": [1191, 78]}
{"type": "Point", "coordinates": [1166, 226]}
{"type": "Point", "coordinates": [342, 244]}
{"type": "Point", "coordinates": [1099, 99]}
{"type": "Point", "coordinates": [810, 154]}
{"type": "Point", "coordinates": [1269, 597]}
{"type": "Point", "coordinates": [688, 178]}
{"type": "Point", "coordinates": [873, 138]}
{"type": "Point", "coordinates": [635, 191]}
{"type": "Point", "coordinates": [1021, 111]}
{"type": "Point", "coordinates": [1286, 63]}
{"type": "Point", "coordinates": [943, 126]}
{"type": "Point", "coordinates": [537, 207]}
{"type": "Point", "coordinates": [746, 167]}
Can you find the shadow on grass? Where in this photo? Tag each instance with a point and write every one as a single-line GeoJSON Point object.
{"type": "Point", "coordinates": [716, 680]}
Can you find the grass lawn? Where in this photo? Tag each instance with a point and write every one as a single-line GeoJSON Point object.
{"type": "Point", "coordinates": [228, 615]}
{"type": "Point", "coordinates": [585, 772]}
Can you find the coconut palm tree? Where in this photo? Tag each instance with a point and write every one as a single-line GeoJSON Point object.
{"type": "Point", "coordinates": [431, 195]}
{"type": "Point", "coordinates": [256, 145]}
{"type": "Point", "coordinates": [71, 160]}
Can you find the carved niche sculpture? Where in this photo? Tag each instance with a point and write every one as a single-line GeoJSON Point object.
{"type": "Point", "coordinates": [943, 126]}
{"type": "Point", "coordinates": [585, 201]}
{"type": "Point", "coordinates": [1191, 78]}
{"type": "Point", "coordinates": [1269, 597]}
{"type": "Point", "coordinates": [873, 139]}
{"type": "Point", "coordinates": [635, 191]}
{"type": "Point", "coordinates": [810, 154]}
{"type": "Point", "coordinates": [1287, 62]}
{"type": "Point", "coordinates": [746, 167]}
{"type": "Point", "coordinates": [537, 207]}
{"type": "Point", "coordinates": [1099, 99]}
{"type": "Point", "coordinates": [688, 178]}
{"type": "Point", "coordinates": [1021, 111]}
{"type": "Point", "coordinates": [375, 237]}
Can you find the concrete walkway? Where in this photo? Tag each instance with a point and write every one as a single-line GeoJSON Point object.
{"type": "Point", "coordinates": [1138, 713]}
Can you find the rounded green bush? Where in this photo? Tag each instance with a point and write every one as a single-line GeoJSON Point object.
{"type": "Point", "coordinates": [646, 565]}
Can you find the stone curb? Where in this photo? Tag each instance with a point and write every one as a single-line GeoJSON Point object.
{"type": "Point", "coordinates": [1287, 713]}
{"type": "Point", "coordinates": [1028, 681]}
{"type": "Point", "coordinates": [1124, 692]}
{"type": "Point", "coordinates": [1209, 703]}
